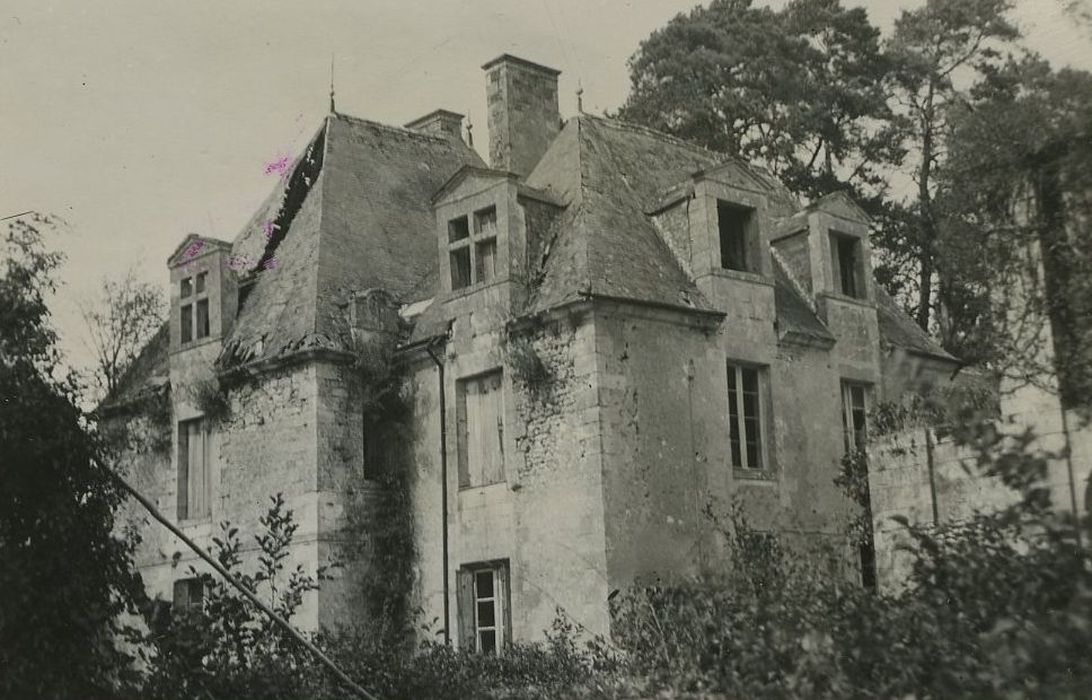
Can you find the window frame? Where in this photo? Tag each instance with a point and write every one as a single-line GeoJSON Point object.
{"type": "Point", "coordinates": [468, 249]}
{"type": "Point", "coordinates": [852, 436]}
{"type": "Point", "coordinates": [468, 601]}
{"type": "Point", "coordinates": [182, 594]}
{"type": "Point", "coordinates": [735, 370]}
{"type": "Point", "coordinates": [747, 234]}
{"type": "Point", "coordinates": [192, 330]}
{"type": "Point", "coordinates": [856, 280]}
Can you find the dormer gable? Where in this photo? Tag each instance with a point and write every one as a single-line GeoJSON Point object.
{"type": "Point", "coordinates": [203, 292]}
{"type": "Point", "coordinates": [482, 230]}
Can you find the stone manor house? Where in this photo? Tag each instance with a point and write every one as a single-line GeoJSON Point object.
{"type": "Point", "coordinates": [604, 332]}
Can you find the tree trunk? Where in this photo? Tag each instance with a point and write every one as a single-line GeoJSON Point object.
{"type": "Point", "coordinates": [926, 225]}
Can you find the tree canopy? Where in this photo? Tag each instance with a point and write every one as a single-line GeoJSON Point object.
{"type": "Point", "coordinates": [66, 574]}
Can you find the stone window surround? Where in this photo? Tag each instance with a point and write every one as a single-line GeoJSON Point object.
{"type": "Point", "coordinates": [768, 470]}
{"type": "Point", "coordinates": [849, 429]}
{"type": "Point", "coordinates": [461, 455]}
{"type": "Point", "coordinates": [712, 191]}
{"type": "Point", "coordinates": [472, 633]}
{"type": "Point", "coordinates": [194, 289]}
{"type": "Point", "coordinates": [471, 242]}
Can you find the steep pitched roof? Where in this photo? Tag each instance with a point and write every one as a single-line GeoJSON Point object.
{"type": "Point", "coordinates": [606, 246]}
{"type": "Point", "coordinates": [354, 214]}
{"type": "Point", "coordinates": [897, 329]}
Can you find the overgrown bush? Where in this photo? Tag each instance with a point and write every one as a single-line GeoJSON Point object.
{"type": "Point", "coordinates": [210, 397]}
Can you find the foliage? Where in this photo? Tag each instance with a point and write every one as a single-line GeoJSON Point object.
{"type": "Point", "coordinates": [226, 647]}
{"type": "Point", "coordinates": [526, 365]}
{"type": "Point", "coordinates": [119, 323]}
{"type": "Point", "coordinates": [210, 397]}
{"type": "Point", "coordinates": [853, 480]}
{"type": "Point", "coordinates": [66, 574]}
{"type": "Point", "coordinates": [1016, 189]}
{"type": "Point", "coordinates": [800, 90]}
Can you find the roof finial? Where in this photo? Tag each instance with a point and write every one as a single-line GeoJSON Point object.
{"type": "Point", "coordinates": [579, 98]}
{"type": "Point", "coordinates": [469, 130]}
{"type": "Point", "coordinates": [332, 109]}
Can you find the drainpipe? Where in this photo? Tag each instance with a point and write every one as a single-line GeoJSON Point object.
{"type": "Point", "coordinates": [443, 491]}
{"type": "Point", "coordinates": [931, 465]}
{"type": "Point", "coordinates": [1072, 477]}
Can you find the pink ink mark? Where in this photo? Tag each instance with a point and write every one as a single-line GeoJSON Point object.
{"type": "Point", "coordinates": [279, 167]}
{"type": "Point", "coordinates": [193, 250]}
{"type": "Point", "coordinates": [270, 264]}
{"type": "Point", "coordinates": [238, 262]}
{"type": "Point", "coordinates": [268, 227]}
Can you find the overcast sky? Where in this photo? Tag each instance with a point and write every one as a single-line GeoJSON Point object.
{"type": "Point", "coordinates": [141, 121]}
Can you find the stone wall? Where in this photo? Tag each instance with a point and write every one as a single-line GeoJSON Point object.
{"type": "Point", "coordinates": [266, 445]}
{"type": "Point", "coordinates": [927, 479]}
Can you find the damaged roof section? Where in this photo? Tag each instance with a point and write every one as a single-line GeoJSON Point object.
{"type": "Point", "coordinates": [355, 213]}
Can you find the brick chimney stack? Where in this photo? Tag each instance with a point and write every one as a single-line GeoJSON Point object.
{"type": "Point", "coordinates": [523, 113]}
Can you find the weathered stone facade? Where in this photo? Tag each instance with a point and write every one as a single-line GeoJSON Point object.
{"type": "Point", "coordinates": [633, 382]}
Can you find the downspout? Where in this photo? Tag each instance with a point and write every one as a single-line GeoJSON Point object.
{"type": "Point", "coordinates": [1072, 477]}
{"type": "Point", "coordinates": [443, 491]}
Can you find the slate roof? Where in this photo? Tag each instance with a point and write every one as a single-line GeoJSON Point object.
{"type": "Point", "coordinates": [362, 218]}
{"type": "Point", "coordinates": [898, 330]}
{"type": "Point", "coordinates": [355, 212]}
{"type": "Point", "coordinates": [147, 373]}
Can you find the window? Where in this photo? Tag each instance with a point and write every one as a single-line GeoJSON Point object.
{"type": "Point", "coordinates": [460, 268]}
{"type": "Point", "coordinates": [186, 323]}
{"type": "Point", "coordinates": [202, 318]}
{"type": "Point", "coordinates": [486, 259]}
{"type": "Point", "coordinates": [736, 228]}
{"type": "Point", "coordinates": [481, 267]}
{"type": "Point", "coordinates": [193, 321]}
{"type": "Point", "coordinates": [480, 414]}
{"type": "Point", "coordinates": [458, 229]}
{"type": "Point", "coordinates": [745, 408]}
{"type": "Point", "coordinates": [854, 415]}
{"type": "Point", "coordinates": [189, 593]}
{"type": "Point", "coordinates": [194, 478]}
{"type": "Point", "coordinates": [847, 265]}
{"type": "Point", "coordinates": [484, 615]}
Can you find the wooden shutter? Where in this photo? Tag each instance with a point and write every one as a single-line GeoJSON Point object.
{"type": "Point", "coordinates": [198, 482]}
{"type": "Point", "coordinates": [465, 608]}
{"type": "Point", "coordinates": [183, 472]}
{"type": "Point", "coordinates": [492, 429]}
{"type": "Point", "coordinates": [504, 596]}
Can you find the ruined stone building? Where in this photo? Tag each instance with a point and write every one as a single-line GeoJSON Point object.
{"type": "Point", "coordinates": [599, 335]}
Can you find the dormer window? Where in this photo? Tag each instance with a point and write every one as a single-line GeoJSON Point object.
{"type": "Point", "coordinates": [194, 313]}
{"type": "Point", "coordinates": [738, 237]}
{"type": "Point", "coordinates": [847, 262]}
{"type": "Point", "coordinates": [473, 253]}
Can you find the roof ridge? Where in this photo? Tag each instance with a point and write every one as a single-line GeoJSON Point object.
{"type": "Point", "coordinates": [649, 131]}
{"type": "Point", "coordinates": [396, 129]}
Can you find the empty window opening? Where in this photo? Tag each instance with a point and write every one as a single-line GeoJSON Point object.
{"type": "Point", "coordinates": [745, 417]}
{"type": "Point", "coordinates": [847, 265]}
{"type": "Point", "coordinates": [484, 614]}
{"type": "Point", "coordinates": [194, 476]}
{"type": "Point", "coordinates": [480, 416]}
{"type": "Point", "coordinates": [458, 229]}
{"type": "Point", "coordinates": [187, 287]}
{"type": "Point", "coordinates": [735, 224]}
{"type": "Point", "coordinates": [200, 282]}
{"type": "Point", "coordinates": [485, 223]}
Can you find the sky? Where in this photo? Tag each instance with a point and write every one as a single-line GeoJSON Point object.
{"type": "Point", "coordinates": [139, 121]}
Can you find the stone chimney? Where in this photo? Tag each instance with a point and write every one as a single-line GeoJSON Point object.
{"type": "Point", "coordinates": [523, 112]}
{"type": "Point", "coordinates": [439, 123]}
